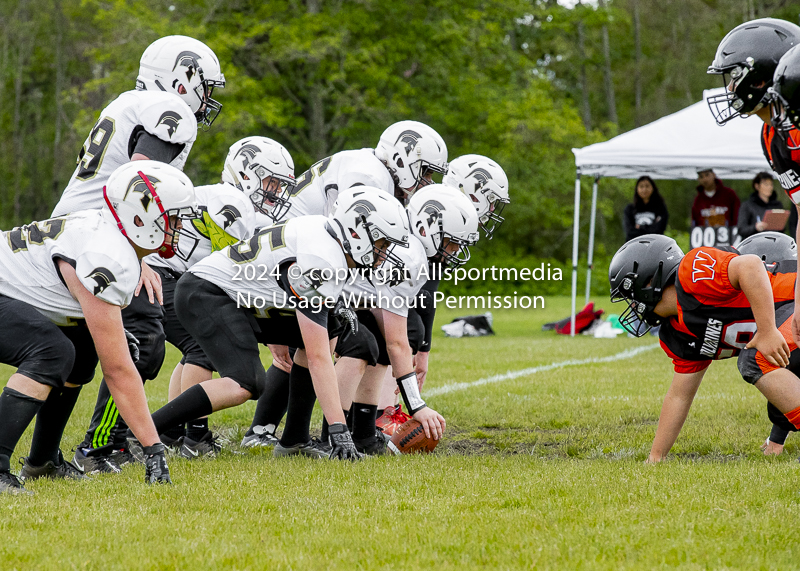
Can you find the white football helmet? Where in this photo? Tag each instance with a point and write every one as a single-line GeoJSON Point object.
{"type": "Point", "coordinates": [363, 215]}
{"type": "Point", "coordinates": [152, 192]}
{"type": "Point", "coordinates": [445, 222]}
{"type": "Point", "coordinates": [264, 170]}
{"type": "Point", "coordinates": [412, 151]}
{"type": "Point", "coordinates": [485, 183]}
{"type": "Point", "coordinates": [186, 67]}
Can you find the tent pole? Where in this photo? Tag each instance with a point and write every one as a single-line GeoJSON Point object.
{"type": "Point", "coordinates": [591, 239]}
{"type": "Point", "coordinates": [575, 229]}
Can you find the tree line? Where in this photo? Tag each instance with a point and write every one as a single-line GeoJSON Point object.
{"type": "Point", "coordinates": [521, 81]}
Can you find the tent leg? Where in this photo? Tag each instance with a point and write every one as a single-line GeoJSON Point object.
{"type": "Point", "coordinates": [575, 229]}
{"type": "Point", "coordinates": [591, 239]}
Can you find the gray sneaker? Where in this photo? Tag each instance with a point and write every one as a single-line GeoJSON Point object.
{"type": "Point", "coordinates": [313, 449]}
{"type": "Point", "coordinates": [10, 484]}
{"type": "Point", "coordinates": [262, 436]}
{"type": "Point", "coordinates": [205, 447]}
{"type": "Point", "coordinates": [54, 470]}
{"type": "Point", "coordinates": [94, 464]}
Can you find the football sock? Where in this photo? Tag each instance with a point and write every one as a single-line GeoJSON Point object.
{"type": "Point", "coordinates": [273, 401]}
{"type": "Point", "coordinates": [16, 413]}
{"type": "Point", "coordinates": [50, 423]}
{"type": "Point", "coordinates": [193, 403]}
{"type": "Point", "coordinates": [324, 435]}
{"type": "Point", "coordinates": [301, 406]}
{"type": "Point", "coordinates": [175, 432]}
{"type": "Point", "coordinates": [794, 417]}
{"type": "Point", "coordinates": [364, 417]}
{"type": "Point", "coordinates": [197, 429]}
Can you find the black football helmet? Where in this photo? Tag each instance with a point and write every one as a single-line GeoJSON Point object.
{"type": "Point", "coordinates": [638, 274]}
{"type": "Point", "coordinates": [771, 247]}
{"type": "Point", "coordinates": [785, 92]}
{"type": "Point", "coordinates": [746, 59]}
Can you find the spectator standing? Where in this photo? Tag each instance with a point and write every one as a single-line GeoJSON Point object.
{"type": "Point", "coordinates": [764, 197]}
{"type": "Point", "coordinates": [648, 213]}
{"type": "Point", "coordinates": [715, 204]}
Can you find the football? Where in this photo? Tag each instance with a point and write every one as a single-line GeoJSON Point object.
{"type": "Point", "coordinates": [410, 438]}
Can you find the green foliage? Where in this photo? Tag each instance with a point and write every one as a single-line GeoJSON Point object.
{"type": "Point", "coordinates": [500, 78]}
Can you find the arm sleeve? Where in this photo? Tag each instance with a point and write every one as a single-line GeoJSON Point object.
{"type": "Point", "coordinates": [427, 311]}
{"type": "Point", "coordinates": [154, 148]}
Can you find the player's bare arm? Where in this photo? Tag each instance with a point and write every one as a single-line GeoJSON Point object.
{"type": "Point", "coordinates": [748, 274]}
{"type": "Point", "coordinates": [105, 324]}
{"type": "Point", "coordinates": [674, 411]}
{"type": "Point", "coordinates": [395, 331]}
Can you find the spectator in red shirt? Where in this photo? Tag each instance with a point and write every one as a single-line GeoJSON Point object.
{"type": "Point", "coordinates": [715, 204]}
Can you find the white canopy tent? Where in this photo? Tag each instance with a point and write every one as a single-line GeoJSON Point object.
{"type": "Point", "coordinates": [672, 147]}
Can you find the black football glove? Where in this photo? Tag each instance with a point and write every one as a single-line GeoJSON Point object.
{"type": "Point", "coordinates": [156, 470]}
{"type": "Point", "coordinates": [342, 447]}
{"type": "Point", "coordinates": [344, 313]}
{"type": "Point", "coordinates": [133, 345]}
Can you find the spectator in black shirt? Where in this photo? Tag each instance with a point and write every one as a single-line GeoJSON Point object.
{"type": "Point", "coordinates": [751, 213]}
{"type": "Point", "coordinates": [648, 213]}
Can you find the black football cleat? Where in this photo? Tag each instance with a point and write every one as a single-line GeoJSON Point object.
{"type": "Point", "coordinates": [10, 485]}
{"type": "Point", "coordinates": [61, 469]}
{"type": "Point", "coordinates": [375, 445]}
{"type": "Point", "coordinates": [205, 447]}
{"type": "Point", "coordinates": [99, 464]}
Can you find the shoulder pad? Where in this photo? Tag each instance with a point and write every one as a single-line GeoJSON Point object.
{"type": "Point", "coordinates": [110, 278]}
{"type": "Point", "coordinates": [167, 117]}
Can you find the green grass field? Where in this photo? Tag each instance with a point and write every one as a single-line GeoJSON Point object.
{"type": "Point", "coordinates": [544, 470]}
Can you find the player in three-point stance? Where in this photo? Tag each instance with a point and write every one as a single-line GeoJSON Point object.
{"type": "Point", "coordinates": [63, 284]}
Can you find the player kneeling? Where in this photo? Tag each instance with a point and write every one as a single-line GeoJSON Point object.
{"type": "Point", "coordinates": [711, 304]}
{"type": "Point", "coordinates": [63, 283]}
{"type": "Point", "coordinates": [298, 265]}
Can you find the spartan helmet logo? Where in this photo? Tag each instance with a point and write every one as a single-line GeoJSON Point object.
{"type": "Point", "coordinates": [171, 120]}
{"type": "Point", "coordinates": [189, 60]}
{"type": "Point", "coordinates": [433, 208]}
{"type": "Point", "coordinates": [481, 176]}
{"type": "Point", "coordinates": [231, 213]}
{"type": "Point", "coordinates": [137, 184]}
{"type": "Point", "coordinates": [248, 153]}
{"type": "Point", "coordinates": [363, 207]}
{"type": "Point", "coordinates": [410, 138]}
{"type": "Point", "coordinates": [313, 278]}
{"type": "Point", "coordinates": [103, 278]}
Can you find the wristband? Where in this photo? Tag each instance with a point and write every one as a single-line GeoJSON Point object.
{"type": "Point", "coordinates": [409, 388]}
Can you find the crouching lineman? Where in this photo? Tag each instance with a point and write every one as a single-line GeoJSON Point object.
{"type": "Point", "coordinates": [257, 172]}
{"type": "Point", "coordinates": [63, 282]}
{"type": "Point", "coordinates": [407, 155]}
{"type": "Point", "coordinates": [157, 121]}
{"type": "Point", "coordinates": [776, 250]}
{"type": "Point", "coordinates": [296, 265]}
{"type": "Point", "coordinates": [443, 225]}
{"type": "Point", "coordinates": [711, 304]}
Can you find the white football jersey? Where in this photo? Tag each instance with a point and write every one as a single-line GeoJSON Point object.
{"type": "Point", "coordinates": [395, 299]}
{"type": "Point", "coordinates": [318, 188]}
{"type": "Point", "coordinates": [228, 217]}
{"type": "Point", "coordinates": [90, 241]}
{"type": "Point", "coordinates": [109, 145]}
{"type": "Point", "coordinates": [246, 271]}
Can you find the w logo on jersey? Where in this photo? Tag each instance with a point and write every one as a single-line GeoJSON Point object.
{"type": "Point", "coordinates": [103, 278]}
{"type": "Point", "coordinates": [137, 184]}
{"type": "Point", "coordinates": [703, 267]}
{"type": "Point", "coordinates": [171, 120]}
{"type": "Point", "coordinates": [410, 138]}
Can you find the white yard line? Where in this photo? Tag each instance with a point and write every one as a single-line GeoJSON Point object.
{"type": "Point", "coordinates": [629, 353]}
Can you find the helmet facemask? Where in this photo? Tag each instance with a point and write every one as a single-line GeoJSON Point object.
{"type": "Point", "coordinates": [446, 255]}
{"type": "Point", "coordinates": [640, 316]}
{"type": "Point", "coordinates": [783, 118]}
{"type": "Point", "coordinates": [271, 197]}
{"type": "Point", "coordinates": [177, 240]}
{"type": "Point", "coordinates": [209, 107]}
{"type": "Point", "coordinates": [741, 97]}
